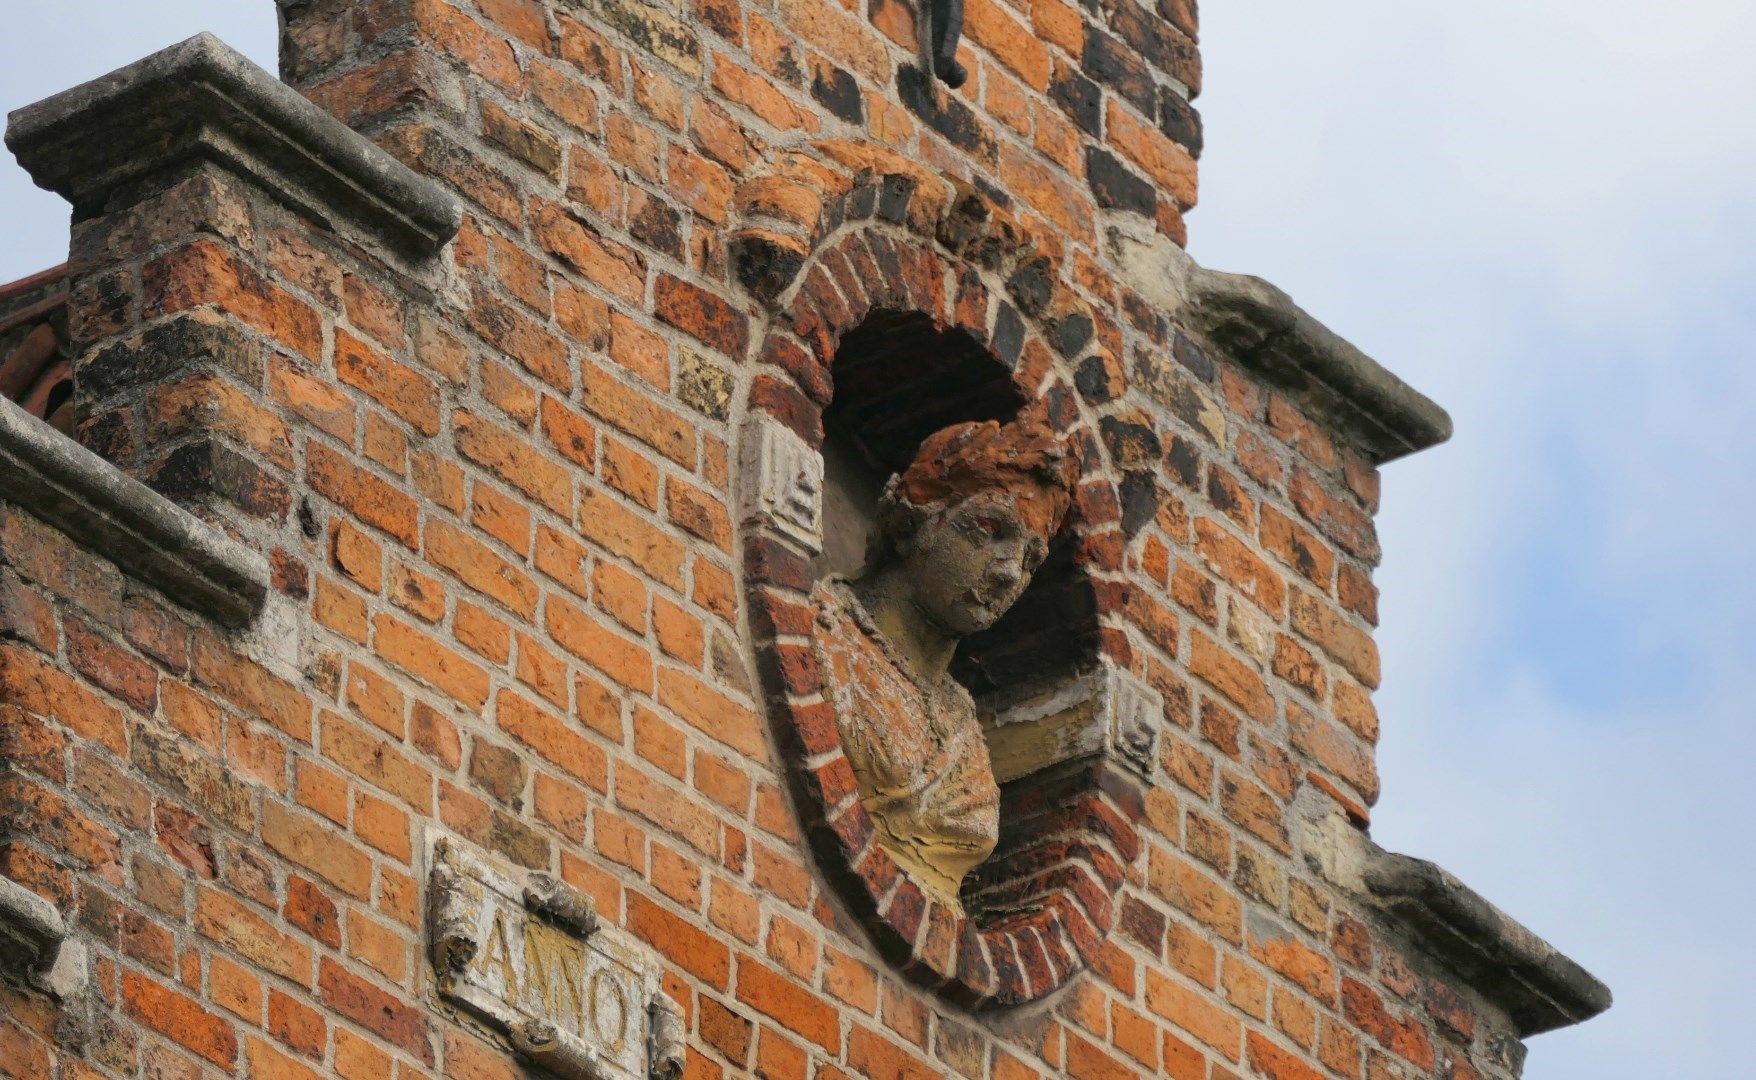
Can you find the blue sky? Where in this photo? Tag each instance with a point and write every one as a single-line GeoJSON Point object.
{"type": "Point", "coordinates": [1540, 212]}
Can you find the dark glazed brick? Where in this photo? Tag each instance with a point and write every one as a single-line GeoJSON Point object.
{"type": "Point", "coordinates": [1032, 284]}
{"type": "Point", "coordinates": [885, 252]}
{"type": "Point", "coordinates": [1183, 15]}
{"type": "Point", "coordinates": [774, 563]}
{"type": "Point", "coordinates": [1008, 336]}
{"type": "Point", "coordinates": [1078, 97]}
{"type": "Point", "coordinates": [943, 112]}
{"type": "Point", "coordinates": [836, 91]}
{"type": "Point", "coordinates": [1062, 411]}
{"type": "Point", "coordinates": [863, 201]}
{"type": "Point", "coordinates": [893, 199]}
{"type": "Point", "coordinates": [1115, 187]}
{"type": "Point", "coordinates": [1164, 47]}
{"type": "Point", "coordinates": [765, 268]}
{"type": "Point", "coordinates": [660, 227]}
{"type": "Point", "coordinates": [1130, 444]}
{"type": "Point", "coordinates": [1180, 121]}
{"type": "Point", "coordinates": [1193, 357]}
{"type": "Point", "coordinates": [1092, 380]}
{"type": "Point", "coordinates": [702, 315]}
{"type": "Point", "coordinates": [1115, 65]}
{"type": "Point", "coordinates": [1139, 501]}
{"type": "Point", "coordinates": [197, 470]}
{"type": "Point", "coordinates": [1184, 461]}
{"type": "Point", "coordinates": [182, 344]}
{"type": "Point", "coordinates": [835, 212]}
{"type": "Point", "coordinates": [1072, 333]}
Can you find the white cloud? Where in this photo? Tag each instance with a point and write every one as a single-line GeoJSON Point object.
{"type": "Point", "coordinates": [1536, 210]}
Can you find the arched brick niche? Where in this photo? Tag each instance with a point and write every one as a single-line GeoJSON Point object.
{"type": "Point", "coordinates": [900, 303]}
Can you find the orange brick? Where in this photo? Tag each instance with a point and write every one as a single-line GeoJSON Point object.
{"type": "Point", "coordinates": [629, 471]}
{"type": "Point", "coordinates": [478, 566]}
{"type": "Point", "coordinates": [551, 739]}
{"type": "Point", "coordinates": [420, 655]}
{"type": "Point", "coordinates": [621, 595]}
{"type": "Point", "coordinates": [404, 391]}
{"type": "Point", "coordinates": [713, 714]}
{"type": "Point", "coordinates": [361, 493]}
{"type": "Point", "coordinates": [302, 840]}
{"type": "Point", "coordinates": [377, 946]}
{"type": "Point", "coordinates": [622, 660]}
{"type": "Point", "coordinates": [680, 942]}
{"type": "Point", "coordinates": [1196, 1014]}
{"type": "Point", "coordinates": [1234, 561]}
{"type": "Point", "coordinates": [1277, 1064]}
{"type": "Point", "coordinates": [225, 920]}
{"type": "Point", "coordinates": [604, 522]}
{"type": "Point", "coordinates": [634, 413]}
{"type": "Point", "coordinates": [1231, 677]}
{"type": "Point", "coordinates": [208, 274]}
{"type": "Point", "coordinates": [511, 458]}
{"type": "Point", "coordinates": [178, 1018]}
{"type": "Point", "coordinates": [788, 1004]}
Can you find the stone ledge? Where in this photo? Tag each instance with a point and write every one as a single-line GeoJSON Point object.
{"type": "Point", "coordinates": [1540, 989]}
{"type": "Point", "coordinates": [1259, 327]}
{"type": "Point", "coordinates": [116, 516]}
{"type": "Point", "coordinates": [202, 100]}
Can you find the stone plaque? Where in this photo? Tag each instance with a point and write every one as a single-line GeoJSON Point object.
{"type": "Point", "coordinates": [525, 953]}
{"type": "Point", "coordinates": [785, 479]}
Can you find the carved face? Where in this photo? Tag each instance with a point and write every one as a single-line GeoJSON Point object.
{"type": "Point", "coordinates": [969, 563]}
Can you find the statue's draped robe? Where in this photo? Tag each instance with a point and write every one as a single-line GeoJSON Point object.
{"type": "Point", "coordinates": [916, 748]}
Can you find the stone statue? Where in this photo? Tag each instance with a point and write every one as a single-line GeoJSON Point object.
{"type": "Point", "coordinates": [959, 534]}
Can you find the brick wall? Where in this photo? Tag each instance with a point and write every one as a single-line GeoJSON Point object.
{"type": "Point", "coordinates": [496, 486]}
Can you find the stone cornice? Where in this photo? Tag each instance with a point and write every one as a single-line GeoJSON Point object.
{"type": "Point", "coordinates": [201, 100]}
{"type": "Point", "coordinates": [1538, 987]}
{"type": "Point", "coordinates": [1257, 326]}
{"type": "Point", "coordinates": [116, 516]}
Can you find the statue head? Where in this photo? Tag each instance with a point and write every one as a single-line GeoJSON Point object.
{"type": "Point", "coordinates": [970, 520]}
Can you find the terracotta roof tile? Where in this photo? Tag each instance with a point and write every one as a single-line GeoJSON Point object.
{"type": "Point", "coordinates": [34, 366]}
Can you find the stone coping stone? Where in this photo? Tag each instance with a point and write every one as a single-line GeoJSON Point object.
{"type": "Point", "coordinates": [118, 517]}
{"type": "Point", "coordinates": [1537, 986]}
{"type": "Point", "coordinates": [1260, 326]}
{"type": "Point", "coordinates": [202, 100]}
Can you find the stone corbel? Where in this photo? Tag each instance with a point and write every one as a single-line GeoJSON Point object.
{"type": "Point", "coordinates": [1540, 988]}
{"type": "Point", "coordinates": [1256, 325]}
{"type": "Point", "coordinates": [35, 948]}
{"type": "Point", "coordinates": [1109, 710]}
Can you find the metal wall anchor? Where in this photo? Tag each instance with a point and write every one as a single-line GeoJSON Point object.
{"type": "Point", "coordinates": [947, 25]}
